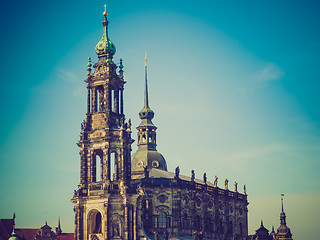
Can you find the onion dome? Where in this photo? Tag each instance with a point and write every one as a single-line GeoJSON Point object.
{"type": "Point", "coordinates": [105, 48]}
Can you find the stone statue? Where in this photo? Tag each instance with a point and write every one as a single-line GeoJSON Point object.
{"type": "Point", "coordinates": [193, 176]}
{"type": "Point", "coordinates": [215, 183]}
{"type": "Point", "coordinates": [205, 178]}
{"type": "Point", "coordinates": [123, 188]}
{"type": "Point", "coordinates": [226, 184]}
{"type": "Point", "coordinates": [244, 189]}
{"type": "Point", "coordinates": [235, 186]}
{"type": "Point", "coordinates": [177, 172]}
{"type": "Point", "coordinates": [156, 235]}
{"type": "Point", "coordinates": [116, 230]}
{"type": "Point", "coordinates": [140, 190]}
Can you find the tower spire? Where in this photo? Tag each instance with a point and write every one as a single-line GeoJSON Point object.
{"type": "Point", "coordinates": [147, 155]}
{"type": "Point", "coordinates": [146, 114]}
{"type": "Point", "coordinates": [146, 100]}
{"type": "Point", "coordinates": [59, 226]}
{"type": "Point", "coordinates": [283, 231]}
{"type": "Point", "coordinates": [105, 48]}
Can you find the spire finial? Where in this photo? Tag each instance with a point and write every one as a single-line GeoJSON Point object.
{"type": "Point", "coordinates": [121, 64]}
{"type": "Point", "coordinates": [146, 100]}
{"type": "Point", "coordinates": [282, 201]}
{"type": "Point", "coordinates": [261, 223]}
{"type": "Point", "coordinates": [59, 226]}
{"type": "Point", "coordinates": [105, 10]}
{"type": "Point", "coordinates": [145, 60]}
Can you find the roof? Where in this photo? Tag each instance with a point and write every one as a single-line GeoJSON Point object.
{"type": "Point", "coordinates": [66, 236]}
{"type": "Point", "coordinates": [6, 226]}
{"type": "Point", "coordinates": [27, 233]}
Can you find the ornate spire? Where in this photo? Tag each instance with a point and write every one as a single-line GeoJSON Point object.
{"type": "Point", "coordinates": [147, 155]}
{"type": "Point", "coordinates": [105, 48]}
{"type": "Point", "coordinates": [283, 231]}
{"type": "Point", "coordinates": [59, 226]}
{"type": "Point", "coordinates": [146, 112]}
{"type": "Point", "coordinates": [282, 214]}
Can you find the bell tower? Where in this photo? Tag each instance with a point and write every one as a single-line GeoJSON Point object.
{"type": "Point", "coordinates": [101, 211]}
{"type": "Point", "coordinates": [105, 139]}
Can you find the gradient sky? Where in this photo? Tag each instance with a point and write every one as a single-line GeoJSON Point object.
{"type": "Point", "coordinates": [234, 86]}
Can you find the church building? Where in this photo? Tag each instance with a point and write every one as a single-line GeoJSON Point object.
{"type": "Point", "coordinates": [133, 197]}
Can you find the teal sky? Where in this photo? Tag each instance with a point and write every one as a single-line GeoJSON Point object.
{"type": "Point", "coordinates": [234, 86]}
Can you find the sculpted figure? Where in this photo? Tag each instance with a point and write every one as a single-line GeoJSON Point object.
{"type": "Point", "coordinates": [140, 190]}
{"type": "Point", "coordinates": [215, 183]}
{"type": "Point", "coordinates": [177, 171]}
{"type": "Point", "coordinates": [205, 177]}
{"type": "Point", "coordinates": [235, 186]}
{"type": "Point", "coordinates": [193, 176]}
{"type": "Point", "coordinates": [226, 184]}
{"type": "Point", "coordinates": [123, 188]}
{"type": "Point", "coordinates": [244, 189]}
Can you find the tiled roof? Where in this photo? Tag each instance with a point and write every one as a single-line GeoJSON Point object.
{"type": "Point", "coordinates": [27, 233]}
{"type": "Point", "coordinates": [66, 236]}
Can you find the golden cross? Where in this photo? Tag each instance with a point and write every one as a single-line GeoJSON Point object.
{"type": "Point", "coordinates": [145, 60]}
{"type": "Point", "coordinates": [105, 7]}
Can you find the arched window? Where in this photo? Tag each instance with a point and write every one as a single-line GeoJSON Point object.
{"type": "Point", "coordinates": [96, 223]}
{"type": "Point", "coordinates": [97, 165]}
{"type": "Point", "coordinates": [162, 220]}
{"type": "Point", "coordinates": [112, 165]}
{"type": "Point", "coordinates": [98, 168]}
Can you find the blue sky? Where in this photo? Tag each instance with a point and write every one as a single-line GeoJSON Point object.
{"type": "Point", "coordinates": [233, 84]}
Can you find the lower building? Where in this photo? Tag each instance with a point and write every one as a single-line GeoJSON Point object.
{"type": "Point", "coordinates": [8, 231]}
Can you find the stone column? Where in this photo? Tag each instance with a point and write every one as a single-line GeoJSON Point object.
{"type": "Point", "coordinates": [108, 97]}
{"type": "Point", "coordinates": [121, 101]}
{"type": "Point", "coordinates": [135, 220]}
{"type": "Point", "coordinates": [107, 163]}
{"type": "Point", "coordinates": [116, 101]}
{"type": "Point", "coordinates": [94, 100]}
{"type": "Point", "coordinates": [83, 176]}
{"type": "Point", "coordinates": [126, 222]}
{"type": "Point", "coordinates": [89, 164]}
{"type": "Point", "coordinates": [89, 97]}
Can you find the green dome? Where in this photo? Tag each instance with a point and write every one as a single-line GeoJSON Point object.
{"type": "Point", "coordinates": [105, 47]}
{"type": "Point", "coordinates": [13, 236]}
